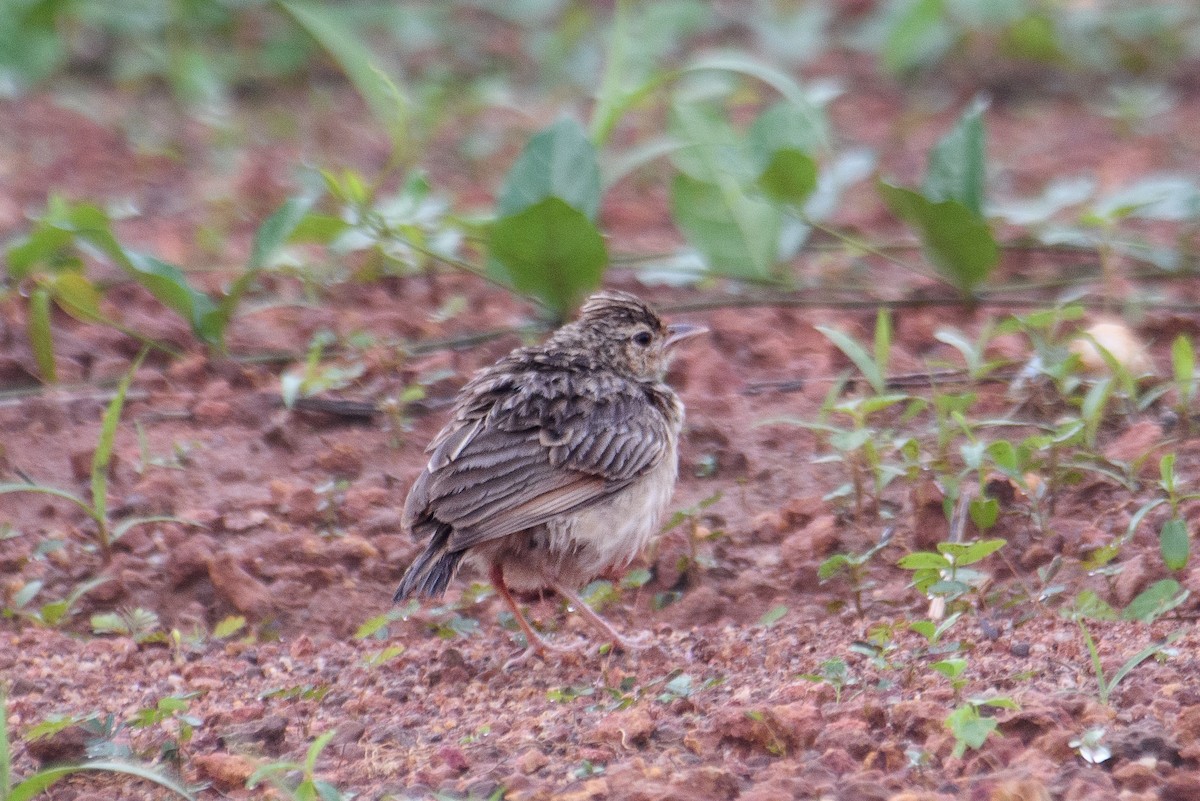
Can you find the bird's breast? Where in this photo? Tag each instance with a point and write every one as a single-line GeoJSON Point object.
{"type": "Point", "coordinates": [611, 534]}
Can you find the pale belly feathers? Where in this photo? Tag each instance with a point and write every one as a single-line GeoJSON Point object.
{"type": "Point", "coordinates": [593, 541]}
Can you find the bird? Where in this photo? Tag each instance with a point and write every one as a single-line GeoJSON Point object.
{"type": "Point", "coordinates": [557, 464]}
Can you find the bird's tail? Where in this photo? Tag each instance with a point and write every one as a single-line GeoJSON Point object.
{"type": "Point", "coordinates": [431, 572]}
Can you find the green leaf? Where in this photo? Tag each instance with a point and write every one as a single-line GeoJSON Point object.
{"type": "Point", "coordinates": [925, 628]}
{"type": "Point", "coordinates": [1166, 472]}
{"type": "Point", "coordinates": [958, 243]}
{"type": "Point", "coordinates": [956, 163]}
{"type": "Point", "coordinates": [1033, 38]}
{"type": "Point", "coordinates": [924, 560]}
{"type": "Point", "coordinates": [832, 566]}
{"type": "Point", "coordinates": [737, 234]}
{"type": "Point", "coordinates": [272, 234]}
{"type": "Point", "coordinates": [1174, 542]}
{"type": "Point", "coordinates": [26, 594]}
{"type": "Point", "coordinates": [1090, 605]}
{"type": "Point", "coordinates": [77, 296]}
{"type": "Point", "coordinates": [229, 626]}
{"type": "Point", "coordinates": [883, 339]}
{"type": "Point", "coordinates": [5, 751]}
{"type": "Point", "coordinates": [108, 623]}
{"type": "Point", "coordinates": [856, 353]}
{"type": "Point", "coordinates": [321, 229]}
{"type": "Point", "coordinates": [41, 246]}
{"type": "Point", "coordinates": [551, 251]}
{"type": "Point", "coordinates": [327, 24]}
{"type": "Point", "coordinates": [984, 512]}
{"type": "Point", "coordinates": [122, 528]}
{"type": "Point", "coordinates": [786, 126]}
{"type": "Point", "coordinates": [38, 782]}
{"type": "Point", "coordinates": [950, 668]}
{"type": "Point", "coordinates": [636, 578]}
{"type": "Point", "coordinates": [781, 141]}
{"type": "Point", "coordinates": [772, 616]}
{"type": "Point", "coordinates": [712, 152]}
{"type": "Point", "coordinates": [276, 230]}
{"type": "Point", "coordinates": [55, 491]}
{"type": "Point", "coordinates": [314, 751]}
{"type": "Point", "coordinates": [789, 177]}
{"type": "Point", "coordinates": [1183, 362]}
{"type": "Point", "coordinates": [968, 553]}
{"type": "Point", "coordinates": [40, 336]}
{"type": "Point", "coordinates": [104, 447]}
{"type": "Point", "coordinates": [917, 36]}
{"type": "Point", "coordinates": [558, 162]}
{"type": "Point", "coordinates": [781, 81]}
{"type": "Point", "coordinates": [1155, 601]}
{"type": "Point", "coordinates": [1004, 456]}
{"type": "Point", "coordinates": [969, 728]}
{"type": "Point", "coordinates": [167, 283]}
{"type": "Point", "coordinates": [996, 703]}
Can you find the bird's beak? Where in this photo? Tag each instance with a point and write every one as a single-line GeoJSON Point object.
{"type": "Point", "coordinates": [677, 332]}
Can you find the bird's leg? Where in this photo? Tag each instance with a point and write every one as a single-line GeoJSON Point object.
{"type": "Point", "coordinates": [534, 641]}
{"type": "Point", "coordinates": [600, 624]}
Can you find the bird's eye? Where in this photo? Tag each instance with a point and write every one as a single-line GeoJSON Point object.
{"type": "Point", "coordinates": [642, 338]}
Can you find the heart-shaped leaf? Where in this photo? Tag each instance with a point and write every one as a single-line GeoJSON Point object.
{"type": "Point", "coordinates": [559, 162]}
{"type": "Point", "coordinates": [551, 251]}
{"type": "Point", "coordinates": [958, 242]}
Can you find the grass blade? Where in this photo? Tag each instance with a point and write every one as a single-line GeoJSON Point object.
{"type": "Point", "coordinates": [104, 448]}
{"type": "Point", "coordinates": [55, 491]}
{"type": "Point", "coordinates": [1140, 657]}
{"type": "Point", "coordinates": [40, 335]}
{"type": "Point", "coordinates": [1096, 666]}
{"type": "Point", "coordinates": [5, 755]}
{"type": "Point", "coordinates": [857, 354]}
{"type": "Point", "coordinates": [39, 781]}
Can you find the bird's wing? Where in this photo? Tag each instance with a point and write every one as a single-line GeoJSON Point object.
{"type": "Point", "coordinates": [536, 454]}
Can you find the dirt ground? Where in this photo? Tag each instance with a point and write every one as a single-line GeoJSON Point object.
{"type": "Point", "coordinates": [298, 519]}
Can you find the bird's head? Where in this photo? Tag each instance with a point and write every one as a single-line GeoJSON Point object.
{"type": "Point", "coordinates": [624, 332]}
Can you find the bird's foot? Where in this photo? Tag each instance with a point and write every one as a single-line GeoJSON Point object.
{"type": "Point", "coordinates": [539, 647]}
{"type": "Point", "coordinates": [624, 642]}
{"type": "Point", "coordinates": [602, 626]}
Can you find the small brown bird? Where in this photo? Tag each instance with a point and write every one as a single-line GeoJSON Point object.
{"type": "Point", "coordinates": [558, 463]}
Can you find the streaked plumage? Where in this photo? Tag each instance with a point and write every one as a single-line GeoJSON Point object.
{"type": "Point", "coordinates": [558, 462]}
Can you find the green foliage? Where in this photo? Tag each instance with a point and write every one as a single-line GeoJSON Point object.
{"type": "Point", "coordinates": [911, 35]}
{"type": "Point", "coordinates": [1106, 685]}
{"type": "Point", "coordinates": [1183, 368]}
{"type": "Point", "coordinates": [953, 670]}
{"type": "Point", "coordinates": [51, 257]}
{"type": "Point", "coordinates": [1174, 539]}
{"type": "Point", "coordinates": [33, 785]}
{"type": "Point", "coordinates": [773, 616]}
{"type": "Point", "coordinates": [948, 211]}
{"type": "Point", "coordinates": [944, 573]}
{"type": "Point", "coordinates": [834, 672]}
{"type": "Point", "coordinates": [107, 531]}
{"type": "Point", "coordinates": [735, 231]}
{"type": "Point", "coordinates": [377, 627]}
{"type": "Point", "coordinates": [1155, 601]}
{"type": "Point", "coordinates": [309, 787]}
{"type": "Point", "coordinates": [854, 565]}
{"type": "Point", "coordinates": [545, 242]}
{"type": "Point", "coordinates": [969, 727]}
{"type": "Point", "coordinates": [51, 613]}
{"type": "Point", "coordinates": [315, 375]}
{"type": "Point", "coordinates": [551, 251]}
{"type": "Point", "coordinates": [327, 25]}
{"type": "Point", "coordinates": [140, 625]}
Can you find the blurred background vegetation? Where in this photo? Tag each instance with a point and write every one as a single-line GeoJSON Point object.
{"type": "Point", "coordinates": [725, 106]}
